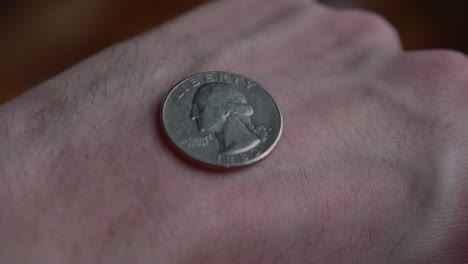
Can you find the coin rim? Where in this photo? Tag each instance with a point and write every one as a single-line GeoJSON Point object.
{"type": "Point", "coordinates": [237, 165]}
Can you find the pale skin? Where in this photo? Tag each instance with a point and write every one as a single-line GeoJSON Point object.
{"type": "Point", "coordinates": [372, 166]}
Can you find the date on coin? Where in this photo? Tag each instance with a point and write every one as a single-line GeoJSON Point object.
{"type": "Point", "coordinates": [221, 119]}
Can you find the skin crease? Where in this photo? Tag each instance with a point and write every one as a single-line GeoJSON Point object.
{"type": "Point", "coordinates": [371, 168]}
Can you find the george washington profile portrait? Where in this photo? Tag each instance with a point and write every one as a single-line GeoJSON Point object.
{"type": "Point", "coordinates": [221, 109]}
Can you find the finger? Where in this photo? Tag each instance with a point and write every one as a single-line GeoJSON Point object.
{"type": "Point", "coordinates": [228, 19]}
{"type": "Point", "coordinates": [310, 39]}
{"type": "Point", "coordinates": [287, 40]}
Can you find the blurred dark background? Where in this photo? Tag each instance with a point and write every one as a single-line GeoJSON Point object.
{"type": "Point", "coordinates": [43, 37]}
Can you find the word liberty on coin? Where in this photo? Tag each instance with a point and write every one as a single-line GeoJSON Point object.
{"type": "Point", "coordinates": [221, 119]}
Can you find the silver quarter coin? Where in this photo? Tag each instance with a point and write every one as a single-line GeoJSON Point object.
{"type": "Point", "coordinates": [221, 119]}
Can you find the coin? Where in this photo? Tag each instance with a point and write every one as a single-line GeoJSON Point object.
{"type": "Point", "coordinates": [221, 119]}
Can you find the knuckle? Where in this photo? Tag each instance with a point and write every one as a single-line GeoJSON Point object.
{"type": "Point", "coordinates": [443, 61]}
{"type": "Point", "coordinates": [368, 26]}
{"type": "Point", "coordinates": [444, 73]}
{"type": "Point", "coordinates": [438, 66]}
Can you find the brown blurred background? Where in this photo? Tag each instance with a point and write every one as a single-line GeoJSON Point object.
{"type": "Point", "coordinates": [43, 37]}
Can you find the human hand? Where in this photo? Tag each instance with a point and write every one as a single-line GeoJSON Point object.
{"type": "Point", "coordinates": [370, 168]}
